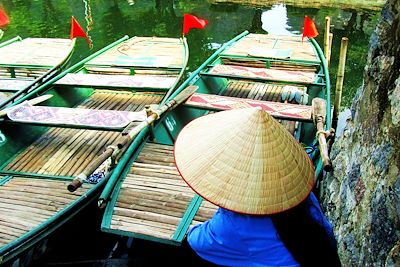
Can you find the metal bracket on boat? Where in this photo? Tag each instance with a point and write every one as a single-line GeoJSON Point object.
{"type": "Point", "coordinates": [150, 110]}
{"type": "Point", "coordinates": [114, 154]}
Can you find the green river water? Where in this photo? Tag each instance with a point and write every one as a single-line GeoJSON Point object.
{"type": "Point", "coordinates": [113, 19]}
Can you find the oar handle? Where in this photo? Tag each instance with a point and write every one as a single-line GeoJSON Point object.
{"type": "Point", "coordinates": [323, 147]}
{"type": "Point", "coordinates": [126, 138]}
{"type": "Point", "coordinates": [78, 180]}
{"type": "Point", "coordinates": [155, 115]}
{"type": "Point", "coordinates": [319, 117]}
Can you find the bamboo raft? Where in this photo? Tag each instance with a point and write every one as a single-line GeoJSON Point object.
{"type": "Point", "coordinates": [150, 200]}
{"type": "Point", "coordinates": [26, 63]}
{"type": "Point", "coordinates": [38, 167]}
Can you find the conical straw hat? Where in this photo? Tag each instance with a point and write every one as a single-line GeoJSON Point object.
{"type": "Point", "coordinates": [245, 161]}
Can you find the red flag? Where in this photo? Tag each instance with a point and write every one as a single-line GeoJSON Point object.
{"type": "Point", "coordinates": [309, 30]}
{"type": "Point", "coordinates": [77, 31]}
{"type": "Point", "coordinates": [4, 20]}
{"type": "Point", "coordinates": [190, 22]}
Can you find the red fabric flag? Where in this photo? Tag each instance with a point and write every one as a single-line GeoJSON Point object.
{"type": "Point", "coordinates": [4, 20]}
{"type": "Point", "coordinates": [77, 31]}
{"type": "Point", "coordinates": [190, 22]}
{"type": "Point", "coordinates": [309, 30]}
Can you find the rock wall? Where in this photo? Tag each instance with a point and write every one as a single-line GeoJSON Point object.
{"type": "Point", "coordinates": [361, 196]}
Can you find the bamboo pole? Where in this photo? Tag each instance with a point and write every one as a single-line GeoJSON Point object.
{"type": "Point", "coordinates": [327, 48]}
{"type": "Point", "coordinates": [330, 47]}
{"type": "Point", "coordinates": [125, 140]}
{"type": "Point", "coordinates": [339, 80]}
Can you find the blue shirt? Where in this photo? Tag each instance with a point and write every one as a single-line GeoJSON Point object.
{"type": "Point", "coordinates": [234, 239]}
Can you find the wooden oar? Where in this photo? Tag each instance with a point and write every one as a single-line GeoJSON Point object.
{"type": "Point", "coordinates": [33, 101]}
{"type": "Point", "coordinates": [114, 150]}
{"type": "Point", "coordinates": [319, 117]}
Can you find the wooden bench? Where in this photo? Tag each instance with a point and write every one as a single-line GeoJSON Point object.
{"type": "Point", "coordinates": [243, 72]}
{"type": "Point", "coordinates": [121, 81]}
{"type": "Point", "coordinates": [13, 85]}
{"type": "Point", "coordinates": [74, 117]}
{"type": "Point", "coordinates": [277, 110]}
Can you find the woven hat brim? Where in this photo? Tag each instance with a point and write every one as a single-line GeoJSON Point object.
{"type": "Point", "coordinates": [245, 161]}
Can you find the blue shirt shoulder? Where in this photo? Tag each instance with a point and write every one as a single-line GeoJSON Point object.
{"type": "Point", "coordinates": [234, 239]}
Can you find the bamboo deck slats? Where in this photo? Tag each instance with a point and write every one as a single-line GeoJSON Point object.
{"type": "Point", "coordinates": [25, 203]}
{"type": "Point", "coordinates": [278, 65]}
{"type": "Point", "coordinates": [260, 91]}
{"type": "Point", "coordinates": [153, 197]}
{"type": "Point", "coordinates": [67, 152]}
{"type": "Point", "coordinates": [303, 51]}
{"type": "Point", "coordinates": [46, 52]}
{"type": "Point", "coordinates": [204, 213]}
{"type": "Point", "coordinates": [154, 52]}
{"type": "Point", "coordinates": [127, 71]}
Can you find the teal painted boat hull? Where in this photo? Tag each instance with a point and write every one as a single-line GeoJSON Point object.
{"type": "Point", "coordinates": [148, 200]}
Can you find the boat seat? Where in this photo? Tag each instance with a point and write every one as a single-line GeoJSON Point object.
{"type": "Point", "coordinates": [263, 74]}
{"type": "Point", "coordinates": [154, 202]}
{"type": "Point", "coordinates": [13, 85]}
{"type": "Point", "coordinates": [278, 110]}
{"type": "Point", "coordinates": [74, 117]}
{"type": "Point", "coordinates": [122, 81]}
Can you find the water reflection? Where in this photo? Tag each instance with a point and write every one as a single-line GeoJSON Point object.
{"type": "Point", "coordinates": [115, 18]}
{"type": "Point", "coordinates": [275, 20]}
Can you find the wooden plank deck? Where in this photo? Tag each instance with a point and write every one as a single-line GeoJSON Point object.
{"type": "Point", "coordinates": [46, 52]}
{"type": "Point", "coordinates": [25, 203]}
{"type": "Point", "coordinates": [117, 81]}
{"type": "Point", "coordinates": [154, 198]}
{"type": "Point", "coordinates": [66, 152]}
{"type": "Point", "coordinates": [261, 91]}
{"type": "Point", "coordinates": [255, 44]}
{"type": "Point", "coordinates": [22, 72]}
{"type": "Point", "coordinates": [149, 52]}
{"type": "Point", "coordinates": [294, 76]}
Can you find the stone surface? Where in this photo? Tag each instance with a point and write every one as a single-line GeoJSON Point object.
{"type": "Point", "coordinates": [361, 196]}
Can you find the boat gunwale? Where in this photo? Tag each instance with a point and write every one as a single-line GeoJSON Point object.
{"type": "Point", "coordinates": [140, 140]}
{"type": "Point", "coordinates": [324, 89]}
{"type": "Point", "coordinates": [27, 240]}
{"type": "Point", "coordinates": [42, 230]}
{"type": "Point", "coordinates": [51, 72]}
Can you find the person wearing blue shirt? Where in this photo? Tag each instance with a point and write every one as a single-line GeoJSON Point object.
{"type": "Point", "coordinates": [261, 179]}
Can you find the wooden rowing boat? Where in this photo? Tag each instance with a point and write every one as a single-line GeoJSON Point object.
{"type": "Point", "coordinates": [51, 140]}
{"type": "Point", "coordinates": [280, 74]}
{"type": "Point", "coordinates": [26, 63]}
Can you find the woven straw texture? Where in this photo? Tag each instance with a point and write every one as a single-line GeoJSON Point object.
{"type": "Point", "coordinates": [245, 161]}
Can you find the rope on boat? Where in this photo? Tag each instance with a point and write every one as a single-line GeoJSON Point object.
{"type": "Point", "coordinates": [89, 20]}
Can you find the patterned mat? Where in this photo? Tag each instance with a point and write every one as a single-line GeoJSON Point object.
{"type": "Point", "coordinates": [74, 116]}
